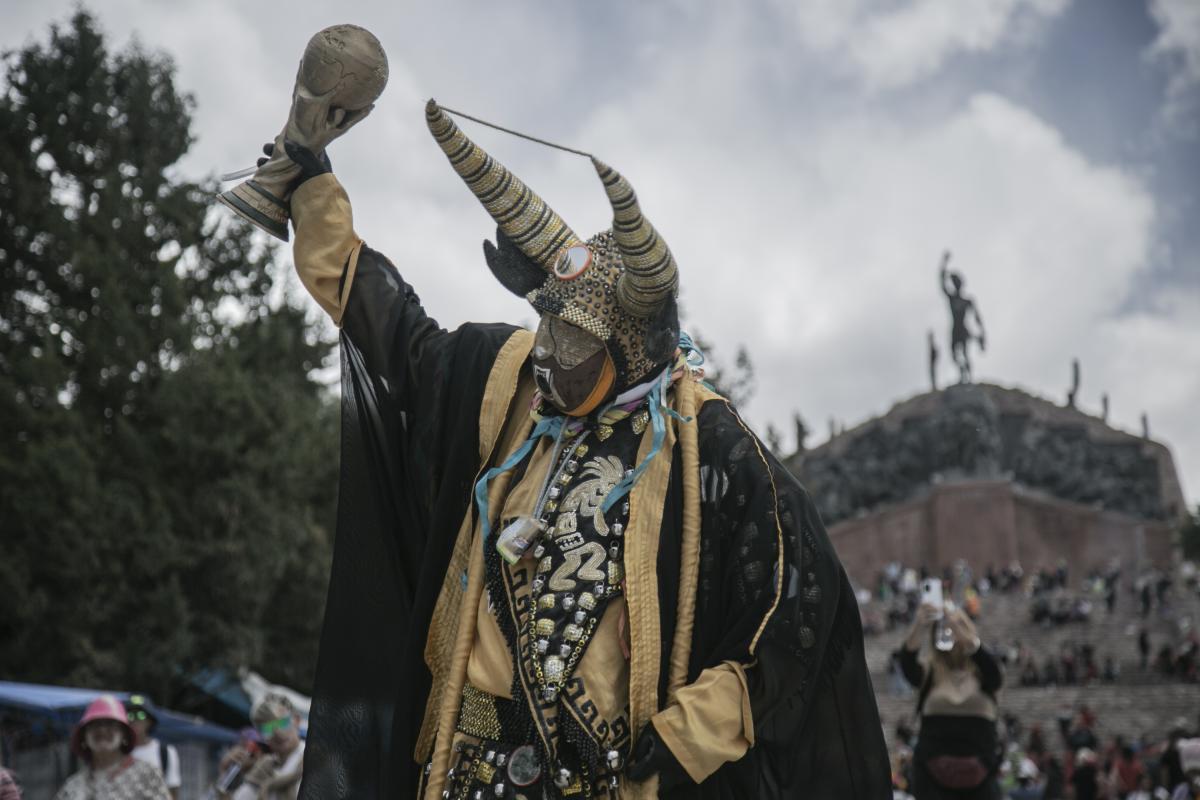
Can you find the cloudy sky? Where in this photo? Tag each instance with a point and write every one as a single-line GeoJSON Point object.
{"type": "Point", "coordinates": [807, 160]}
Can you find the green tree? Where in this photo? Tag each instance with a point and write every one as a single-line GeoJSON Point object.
{"type": "Point", "coordinates": [167, 467]}
{"type": "Point", "coordinates": [736, 382]}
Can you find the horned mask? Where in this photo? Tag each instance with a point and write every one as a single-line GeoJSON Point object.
{"type": "Point", "coordinates": [620, 285]}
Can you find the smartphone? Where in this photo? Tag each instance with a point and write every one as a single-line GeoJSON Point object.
{"type": "Point", "coordinates": [931, 593]}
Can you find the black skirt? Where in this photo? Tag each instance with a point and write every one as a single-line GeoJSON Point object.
{"type": "Point", "coordinates": [955, 736]}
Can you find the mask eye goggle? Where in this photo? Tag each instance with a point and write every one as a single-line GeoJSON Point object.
{"type": "Point", "coordinates": [572, 262]}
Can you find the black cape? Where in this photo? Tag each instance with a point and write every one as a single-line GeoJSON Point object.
{"type": "Point", "coordinates": [411, 395]}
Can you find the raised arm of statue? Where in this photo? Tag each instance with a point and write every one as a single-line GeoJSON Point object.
{"type": "Point", "coordinates": [945, 274]}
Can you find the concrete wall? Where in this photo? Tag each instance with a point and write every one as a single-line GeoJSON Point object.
{"type": "Point", "coordinates": [995, 522]}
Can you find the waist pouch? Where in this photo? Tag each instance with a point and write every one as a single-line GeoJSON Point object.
{"type": "Point", "coordinates": [957, 772]}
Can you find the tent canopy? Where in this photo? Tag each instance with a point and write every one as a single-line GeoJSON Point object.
{"type": "Point", "coordinates": [63, 706]}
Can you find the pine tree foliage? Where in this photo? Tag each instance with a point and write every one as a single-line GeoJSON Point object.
{"type": "Point", "coordinates": [167, 466]}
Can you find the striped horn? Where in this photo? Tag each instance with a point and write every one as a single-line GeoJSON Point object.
{"type": "Point", "coordinates": [523, 216]}
{"type": "Point", "coordinates": [650, 275]}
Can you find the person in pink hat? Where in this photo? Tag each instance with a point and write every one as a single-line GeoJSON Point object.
{"type": "Point", "coordinates": [103, 741]}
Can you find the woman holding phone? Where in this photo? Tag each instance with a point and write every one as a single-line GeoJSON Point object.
{"type": "Point", "coordinates": [957, 753]}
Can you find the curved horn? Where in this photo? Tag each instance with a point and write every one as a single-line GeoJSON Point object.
{"type": "Point", "coordinates": [523, 216]}
{"type": "Point", "coordinates": [650, 272]}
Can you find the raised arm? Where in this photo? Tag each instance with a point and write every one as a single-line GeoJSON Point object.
{"type": "Point", "coordinates": [945, 274]}
{"type": "Point", "coordinates": [361, 290]}
{"type": "Point", "coordinates": [918, 634]}
{"type": "Point", "coordinates": [416, 381]}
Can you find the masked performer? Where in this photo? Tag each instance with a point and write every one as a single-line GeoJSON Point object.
{"type": "Point", "coordinates": [564, 567]}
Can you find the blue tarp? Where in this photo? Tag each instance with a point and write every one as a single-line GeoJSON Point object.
{"type": "Point", "coordinates": [63, 706]}
{"type": "Point", "coordinates": [223, 686]}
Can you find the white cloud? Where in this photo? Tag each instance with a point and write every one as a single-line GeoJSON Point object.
{"type": "Point", "coordinates": [1178, 45]}
{"type": "Point", "coordinates": [807, 228]}
{"type": "Point", "coordinates": [834, 260]}
{"type": "Point", "coordinates": [888, 45]}
{"type": "Point", "coordinates": [1178, 36]}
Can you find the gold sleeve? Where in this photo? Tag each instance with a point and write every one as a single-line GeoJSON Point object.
{"type": "Point", "coordinates": [326, 244]}
{"type": "Point", "coordinates": [710, 722]}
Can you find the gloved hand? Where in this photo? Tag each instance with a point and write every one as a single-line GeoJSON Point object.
{"type": "Point", "coordinates": [297, 154]}
{"type": "Point", "coordinates": [652, 755]}
{"type": "Point", "coordinates": [310, 165]}
{"type": "Point", "coordinates": [312, 124]}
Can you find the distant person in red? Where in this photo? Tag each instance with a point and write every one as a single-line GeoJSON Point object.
{"type": "Point", "coordinates": [1127, 771]}
{"type": "Point", "coordinates": [103, 741]}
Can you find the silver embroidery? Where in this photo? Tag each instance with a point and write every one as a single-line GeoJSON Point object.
{"type": "Point", "coordinates": [601, 474]}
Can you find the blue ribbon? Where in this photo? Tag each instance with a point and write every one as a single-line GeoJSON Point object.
{"type": "Point", "coordinates": [657, 402]}
{"type": "Point", "coordinates": [659, 428]}
{"type": "Point", "coordinates": [694, 355]}
{"type": "Point", "coordinates": [554, 426]}
{"type": "Point", "coordinates": [547, 426]}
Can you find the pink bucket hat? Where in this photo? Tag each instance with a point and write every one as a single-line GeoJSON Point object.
{"type": "Point", "coordinates": [103, 707]}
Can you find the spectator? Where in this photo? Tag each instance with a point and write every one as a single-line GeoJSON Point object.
{"type": "Point", "coordinates": [901, 771]}
{"type": "Point", "coordinates": [1079, 735]}
{"type": "Point", "coordinates": [1029, 673]}
{"type": "Point", "coordinates": [102, 741]}
{"type": "Point", "coordinates": [9, 790]}
{"type": "Point", "coordinates": [1171, 765]}
{"type": "Point", "coordinates": [275, 776]}
{"type": "Point", "coordinates": [238, 762]}
{"type": "Point", "coordinates": [957, 753]}
{"type": "Point", "coordinates": [1165, 661]}
{"type": "Point", "coordinates": [1127, 771]}
{"type": "Point", "coordinates": [1145, 790]}
{"type": "Point", "coordinates": [1037, 750]}
{"type": "Point", "coordinates": [143, 718]}
{"type": "Point", "coordinates": [1144, 646]}
{"type": "Point", "coordinates": [1067, 659]}
{"type": "Point", "coordinates": [1027, 784]}
{"type": "Point", "coordinates": [1050, 672]}
{"type": "Point", "coordinates": [1085, 779]}
{"type": "Point", "coordinates": [1189, 755]}
{"type": "Point", "coordinates": [1055, 786]}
